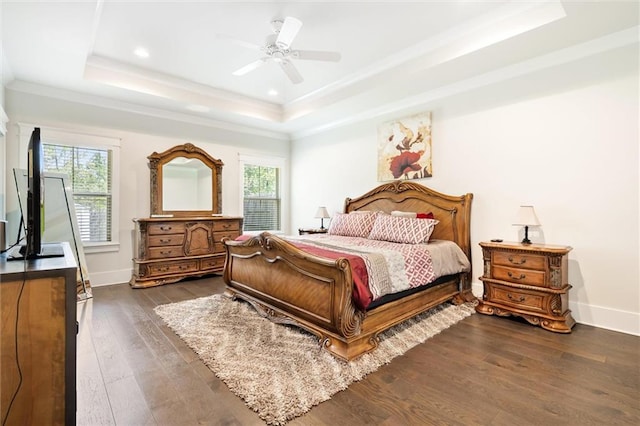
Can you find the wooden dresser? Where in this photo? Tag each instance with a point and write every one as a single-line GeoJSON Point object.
{"type": "Point", "coordinates": [38, 329]}
{"type": "Point", "coordinates": [170, 249]}
{"type": "Point", "coordinates": [527, 280]}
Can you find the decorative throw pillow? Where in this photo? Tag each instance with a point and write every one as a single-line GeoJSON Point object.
{"type": "Point", "coordinates": [352, 224]}
{"type": "Point", "coordinates": [398, 229]}
{"type": "Point", "coordinates": [412, 214]}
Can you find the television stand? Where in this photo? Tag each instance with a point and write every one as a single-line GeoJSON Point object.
{"type": "Point", "coordinates": [47, 250]}
{"type": "Point", "coordinates": [38, 307]}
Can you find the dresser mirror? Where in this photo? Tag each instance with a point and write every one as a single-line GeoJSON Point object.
{"type": "Point", "coordinates": [185, 181]}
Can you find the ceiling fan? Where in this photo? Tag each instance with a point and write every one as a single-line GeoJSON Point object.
{"type": "Point", "coordinates": [277, 48]}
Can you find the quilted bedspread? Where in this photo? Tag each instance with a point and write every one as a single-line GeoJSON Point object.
{"type": "Point", "coordinates": [382, 267]}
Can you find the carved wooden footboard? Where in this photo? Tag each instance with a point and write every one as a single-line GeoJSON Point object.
{"type": "Point", "coordinates": [291, 286]}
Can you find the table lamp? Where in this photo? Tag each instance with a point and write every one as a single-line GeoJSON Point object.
{"type": "Point", "coordinates": [322, 214]}
{"type": "Point", "coordinates": [526, 217]}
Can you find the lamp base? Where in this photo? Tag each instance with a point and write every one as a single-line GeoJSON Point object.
{"type": "Point", "coordinates": [526, 239]}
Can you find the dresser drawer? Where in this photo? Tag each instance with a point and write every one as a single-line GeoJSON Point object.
{"type": "Point", "coordinates": [172, 267]}
{"type": "Point", "coordinates": [166, 240]}
{"type": "Point", "coordinates": [515, 298]}
{"type": "Point", "coordinates": [218, 246]}
{"type": "Point", "coordinates": [519, 260]}
{"type": "Point", "coordinates": [520, 276]}
{"type": "Point", "coordinates": [165, 252]}
{"type": "Point", "coordinates": [166, 228]}
{"type": "Point", "coordinates": [212, 263]}
{"type": "Point", "coordinates": [226, 225]}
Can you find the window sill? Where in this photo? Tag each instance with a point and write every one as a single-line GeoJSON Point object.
{"type": "Point", "coordinates": [260, 232]}
{"type": "Point", "coordinates": [101, 247]}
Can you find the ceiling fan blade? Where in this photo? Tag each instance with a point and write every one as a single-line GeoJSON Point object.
{"type": "Point", "coordinates": [316, 55]}
{"type": "Point", "coordinates": [238, 41]}
{"type": "Point", "coordinates": [288, 32]}
{"type": "Point", "coordinates": [291, 71]}
{"type": "Point", "coordinates": [251, 66]}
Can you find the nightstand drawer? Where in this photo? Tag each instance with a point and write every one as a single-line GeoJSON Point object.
{"type": "Point", "coordinates": [530, 301]}
{"type": "Point", "coordinates": [519, 260]}
{"type": "Point", "coordinates": [520, 276]}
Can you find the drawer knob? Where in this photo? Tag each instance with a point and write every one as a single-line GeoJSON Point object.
{"type": "Point", "coordinates": [166, 252]}
{"type": "Point", "coordinates": [517, 299]}
{"type": "Point", "coordinates": [165, 228]}
{"type": "Point", "coordinates": [521, 262]}
{"type": "Point", "coordinates": [165, 241]}
{"type": "Point", "coordinates": [521, 277]}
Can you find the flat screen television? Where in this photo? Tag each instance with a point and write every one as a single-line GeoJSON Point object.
{"type": "Point", "coordinates": [34, 221]}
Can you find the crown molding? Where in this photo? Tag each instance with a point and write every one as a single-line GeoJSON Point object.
{"type": "Point", "coordinates": [560, 57]}
{"type": "Point", "coordinates": [118, 74]}
{"type": "Point", "coordinates": [122, 106]}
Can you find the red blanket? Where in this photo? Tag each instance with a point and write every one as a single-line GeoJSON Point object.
{"type": "Point", "coordinates": [362, 296]}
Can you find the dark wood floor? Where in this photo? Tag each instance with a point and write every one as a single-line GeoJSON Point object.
{"type": "Point", "coordinates": [132, 370]}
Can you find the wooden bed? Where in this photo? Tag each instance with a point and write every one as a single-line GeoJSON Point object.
{"type": "Point", "coordinates": [290, 286]}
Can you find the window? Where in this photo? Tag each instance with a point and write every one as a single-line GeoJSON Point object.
{"type": "Point", "coordinates": [89, 170]}
{"type": "Point", "coordinates": [91, 162]}
{"type": "Point", "coordinates": [262, 198]}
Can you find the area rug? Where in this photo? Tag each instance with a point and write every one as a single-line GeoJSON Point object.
{"type": "Point", "coordinates": [280, 371]}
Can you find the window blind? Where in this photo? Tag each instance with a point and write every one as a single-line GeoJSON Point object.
{"type": "Point", "coordinates": [261, 208]}
{"type": "Point", "coordinates": [90, 170]}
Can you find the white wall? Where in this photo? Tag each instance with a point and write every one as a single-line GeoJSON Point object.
{"type": "Point", "coordinates": [140, 136]}
{"type": "Point", "coordinates": [564, 139]}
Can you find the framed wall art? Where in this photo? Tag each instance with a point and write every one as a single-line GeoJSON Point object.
{"type": "Point", "coordinates": [404, 148]}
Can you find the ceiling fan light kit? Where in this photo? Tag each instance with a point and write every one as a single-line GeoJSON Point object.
{"type": "Point", "coordinates": [277, 49]}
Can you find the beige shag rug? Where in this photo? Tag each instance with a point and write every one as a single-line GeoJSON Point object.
{"type": "Point", "coordinates": [280, 371]}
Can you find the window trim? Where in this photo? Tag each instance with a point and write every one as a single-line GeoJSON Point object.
{"type": "Point", "coordinates": [267, 161]}
{"type": "Point", "coordinates": [78, 138]}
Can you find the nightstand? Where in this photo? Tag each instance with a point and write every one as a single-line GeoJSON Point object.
{"type": "Point", "coordinates": [527, 280]}
{"type": "Point", "coordinates": [303, 231]}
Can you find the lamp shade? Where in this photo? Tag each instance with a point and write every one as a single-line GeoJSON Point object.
{"type": "Point", "coordinates": [322, 213]}
{"type": "Point", "coordinates": [527, 217]}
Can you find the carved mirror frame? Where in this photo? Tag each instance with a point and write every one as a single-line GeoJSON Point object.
{"type": "Point", "coordinates": [188, 150]}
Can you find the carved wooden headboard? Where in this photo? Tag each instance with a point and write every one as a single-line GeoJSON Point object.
{"type": "Point", "coordinates": [453, 212]}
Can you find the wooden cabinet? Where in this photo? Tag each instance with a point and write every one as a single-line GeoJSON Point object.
{"type": "Point", "coordinates": [170, 249]}
{"type": "Point", "coordinates": [38, 347]}
{"type": "Point", "coordinates": [527, 280]}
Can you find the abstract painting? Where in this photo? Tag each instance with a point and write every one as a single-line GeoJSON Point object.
{"type": "Point", "coordinates": [404, 148]}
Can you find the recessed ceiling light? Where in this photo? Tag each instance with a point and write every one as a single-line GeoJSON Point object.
{"type": "Point", "coordinates": [141, 52]}
{"type": "Point", "coordinates": [272, 92]}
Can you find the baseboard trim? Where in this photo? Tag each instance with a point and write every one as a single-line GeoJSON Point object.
{"type": "Point", "coordinates": [607, 318]}
{"type": "Point", "coordinates": [597, 316]}
{"type": "Point", "coordinates": [99, 279]}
